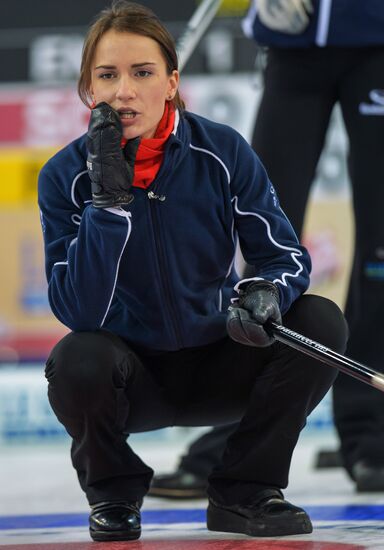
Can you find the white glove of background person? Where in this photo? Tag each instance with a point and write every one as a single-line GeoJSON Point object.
{"type": "Point", "coordinates": [289, 16]}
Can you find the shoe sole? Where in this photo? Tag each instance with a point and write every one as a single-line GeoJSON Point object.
{"type": "Point", "coordinates": [369, 486]}
{"type": "Point", "coordinates": [328, 459]}
{"type": "Point", "coordinates": [103, 536]}
{"type": "Point", "coordinates": [228, 522]}
{"type": "Point", "coordinates": [177, 493]}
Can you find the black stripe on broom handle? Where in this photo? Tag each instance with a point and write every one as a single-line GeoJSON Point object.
{"type": "Point", "coordinates": [326, 355]}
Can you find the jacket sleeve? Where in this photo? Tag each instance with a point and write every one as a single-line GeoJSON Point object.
{"type": "Point", "coordinates": [82, 254]}
{"type": "Point", "coordinates": [266, 237]}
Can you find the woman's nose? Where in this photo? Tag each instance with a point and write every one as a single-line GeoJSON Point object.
{"type": "Point", "coordinates": [125, 89]}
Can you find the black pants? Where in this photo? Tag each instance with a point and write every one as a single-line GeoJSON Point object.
{"type": "Point", "coordinates": [301, 89]}
{"type": "Point", "coordinates": [101, 390]}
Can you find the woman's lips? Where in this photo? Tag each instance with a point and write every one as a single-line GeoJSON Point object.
{"type": "Point", "coordinates": [128, 117]}
{"type": "Point", "coordinates": [128, 114]}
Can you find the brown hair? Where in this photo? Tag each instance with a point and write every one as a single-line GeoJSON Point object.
{"type": "Point", "coordinates": [125, 16]}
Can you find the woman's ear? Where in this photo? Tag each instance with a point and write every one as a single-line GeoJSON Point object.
{"type": "Point", "coordinates": [173, 83]}
{"type": "Point", "coordinates": [93, 102]}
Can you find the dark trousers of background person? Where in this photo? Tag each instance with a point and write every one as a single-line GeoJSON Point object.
{"type": "Point", "coordinates": [206, 451]}
{"type": "Point", "coordinates": [101, 390]}
{"type": "Point", "coordinates": [301, 89]}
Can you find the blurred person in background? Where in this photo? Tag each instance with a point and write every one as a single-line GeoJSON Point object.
{"type": "Point", "coordinates": [163, 330]}
{"type": "Point", "coordinates": [320, 53]}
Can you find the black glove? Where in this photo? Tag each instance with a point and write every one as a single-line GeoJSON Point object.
{"type": "Point", "coordinates": [257, 304]}
{"type": "Point", "coordinates": [110, 167]}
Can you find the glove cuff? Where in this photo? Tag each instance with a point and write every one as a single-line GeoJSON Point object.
{"type": "Point", "coordinates": [261, 285]}
{"type": "Point", "coordinates": [105, 200]}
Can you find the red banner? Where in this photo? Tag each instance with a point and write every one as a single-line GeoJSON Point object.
{"type": "Point", "coordinates": [35, 117]}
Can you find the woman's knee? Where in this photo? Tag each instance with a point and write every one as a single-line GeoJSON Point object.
{"type": "Point", "coordinates": [319, 319]}
{"type": "Point", "coordinates": [81, 366]}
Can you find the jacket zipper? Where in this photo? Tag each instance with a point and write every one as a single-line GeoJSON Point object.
{"type": "Point", "coordinates": [172, 313]}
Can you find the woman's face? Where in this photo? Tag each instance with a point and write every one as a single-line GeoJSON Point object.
{"type": "Point", "coordinates": [129, 73]}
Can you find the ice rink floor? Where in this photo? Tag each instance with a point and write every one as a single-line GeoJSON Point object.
{"type": "Point", "coordinates": [42, 507]}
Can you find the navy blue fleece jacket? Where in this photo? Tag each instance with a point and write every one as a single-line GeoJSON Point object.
{"type": "Point", "coordinates": [160, 272]}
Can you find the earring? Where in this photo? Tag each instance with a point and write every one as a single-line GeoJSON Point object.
{"type": "Point", "coordinates": [93, 104]}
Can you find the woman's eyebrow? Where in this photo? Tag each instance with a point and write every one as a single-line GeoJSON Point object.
{"type": "Point", "coordinates": [134, 65]}
{"type": "Point", "coordinates": [105, 67]}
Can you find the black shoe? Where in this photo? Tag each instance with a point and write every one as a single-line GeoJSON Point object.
{"type": "Point", "coordinates": [178, 485]}
{"type": "Point", "coordinates": [328, 459]}
{"type": "Point", "coordinates": [115, 521]}
{"type": "Point", "coordinates": [268, 516]}
{"type": "Point", "coordinates": [368, 478]}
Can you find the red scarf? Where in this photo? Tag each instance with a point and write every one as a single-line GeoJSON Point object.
{"type": "Point", "coordinates": [151, 151]}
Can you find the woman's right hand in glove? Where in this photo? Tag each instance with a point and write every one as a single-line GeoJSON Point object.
{"type": "Point", "coordinates": [110, 167]}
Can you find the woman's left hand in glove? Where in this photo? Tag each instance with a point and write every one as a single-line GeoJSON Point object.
{"type": "Point", "coordinates": [257, 304]}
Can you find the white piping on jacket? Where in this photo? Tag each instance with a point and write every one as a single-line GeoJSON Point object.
{"type": "Point", "coordinates": [214, 156]}
{"type": "Point", "coordinates": [176, 123]}
{"type": "Point", "coordinates": [323, 22]}
{"type": "Point", "coordinates": [220, 300]}
{"type": "Point", "coordinates": [294, 251]}
{"type": "Point", "coordinates": [127, 216]}
{"type": "Point", "coordinates": [74, 185]}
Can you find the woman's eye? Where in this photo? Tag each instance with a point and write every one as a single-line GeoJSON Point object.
{"type": "Point", "coordinates": [106, 76]}
{"type": "Point", "coordinates": [143, 73]}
